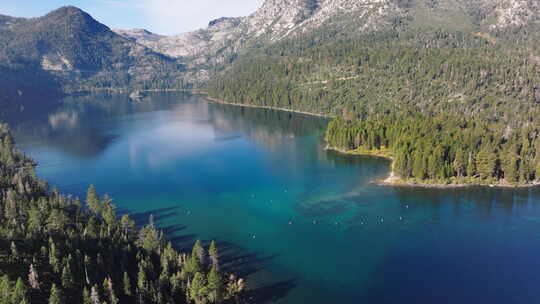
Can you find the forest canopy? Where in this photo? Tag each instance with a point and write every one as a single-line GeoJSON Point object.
{"type": "Point", "coordinates": [56, 249]}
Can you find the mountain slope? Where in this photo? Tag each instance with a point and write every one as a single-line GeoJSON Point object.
{"type": "Point", "coordinates": [68, 47]}
{"type": "Point", "coordinates": [447, 88]}
{"type": "Point", "coordinates": [224, 39]}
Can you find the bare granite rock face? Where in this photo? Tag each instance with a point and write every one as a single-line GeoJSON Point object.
{"type": "Point", "coordinates": [511, 13]}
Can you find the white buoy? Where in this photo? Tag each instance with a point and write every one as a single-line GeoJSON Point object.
{"type": "Point", "coordinates": [382, 220]}
{"type": "Point", "coordinates": [400, 218]}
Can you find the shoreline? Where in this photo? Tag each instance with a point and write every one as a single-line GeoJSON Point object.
{"type": "Point", "coordinates": [220, 101]}
{"type": "Point", "coordinates": [200, 92]}
{"type": "Point", "coordinates": [391, 181]}
{"type": "Point", "coordinates": [394, 180]}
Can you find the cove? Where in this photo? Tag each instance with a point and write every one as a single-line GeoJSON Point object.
{"type": "Point", "coordinates": [302, 224]}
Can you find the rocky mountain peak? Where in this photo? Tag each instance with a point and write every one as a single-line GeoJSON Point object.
{"type": "Point", "coordinates": [276, 16]}
{"type": "Point", "coordinates": [73, 19]}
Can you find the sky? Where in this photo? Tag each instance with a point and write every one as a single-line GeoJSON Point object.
{"type": "Point", "coordinates": [167, 17]}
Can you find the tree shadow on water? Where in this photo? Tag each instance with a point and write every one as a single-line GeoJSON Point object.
{"type": "Point", "coordinates": [142, 218]}
{"type": "Point", "coordinates": [183, 243]}
{"type": "Point", "coordinates": [173, 229]}
{"type": "Point", "coordinates": [234, 259]}
{"type": "Point", "coordinates": [246, 264]}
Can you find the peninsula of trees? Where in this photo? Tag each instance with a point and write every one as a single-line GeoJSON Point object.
{"type": "Point", "coordinates": [55, 249]}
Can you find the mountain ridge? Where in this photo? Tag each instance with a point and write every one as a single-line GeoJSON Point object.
{"type": "Point", "coordinates": [69, 47]}
{"type": "Point", "coordinates": [221, 42]}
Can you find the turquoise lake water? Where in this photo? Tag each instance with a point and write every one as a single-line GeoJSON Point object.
{"type": "Point", "coordinates": [302, 224]}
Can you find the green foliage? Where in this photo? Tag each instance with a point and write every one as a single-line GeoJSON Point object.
{"type": "Point", "coordinates": [443, 148]}
{"type": "Point", "coordinates": [85, 255]}
{"type": "Point", "coordinates": [215, 286]}
{"type": "Point", "coordinates": [214, 254]}
{"type": "Point", "coordinates": [127, 284]}
{"type": "Point", "coordinates": [198, 291]}
{"type": "Point", "coordinates": [56, 296]}
{"type": "Point", "coordinates": [448, 105]}
{"type": "Point", "coordinates": [92, 200]}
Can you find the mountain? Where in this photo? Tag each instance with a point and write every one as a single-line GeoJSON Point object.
{"type": "Point", "coordinates": [224, 39]}
{"type": "Point", "coordinates": [448, 89]}
{"type": "Point", "coordinates": [70, 50]}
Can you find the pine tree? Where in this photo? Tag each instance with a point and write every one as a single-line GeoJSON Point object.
{"type": "Point", "coordinates": [419, 168]}
{"type": "Point", "coordinates": [56, 296]}
{"type": "Point", "coordinates": [109, 215]}
{"type": "Point", "coordinates": [525, 169]}
{"type": "Point", "coordinates": [471, 166]}
{"type": "Point", "coordinates": [142, 283]}
{"type": "Point", "coordinates": [91, 230]}
{"type": "Point", "coordinates": [86, 296]}
{"type": "Point", "coordinates": [53, 256]}
{"type": "Point", "coordinates": [5, 289]}
{"type": "Point", "coordinates": [127, 284]}
{"type": "Point", "coordinates": [35, 220]}
{"type": "Point", "coordinates": [19, 293]}
{"type": "Point", "coordinates": [67, 277]}
{"type": "Point", "coordinates": [510, 169]}
{"type": "Point", "coordinates": [460, 163]}
{"type": "Point", "coordinates": [199, 252]}
{"type": "Point", "coordinates": [214, 254]}
{"type": "Point", "coordinates": [486, 162]}
{"type": "Point", "coordinates": [14, 251]}
{"type": "Point", "coordinates": [92, 200]}
{"type": "Point", "coordinates": [109, 290]}
{"type": "Point", "coordinates": [127, 226]}
{"type": "Point", "coordinates": [198, 290]}
{"type": "Point", "coordinates": [215, 286]}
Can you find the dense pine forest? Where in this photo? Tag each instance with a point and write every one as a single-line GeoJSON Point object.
{"type": "Point", "coordinates": [449, 106]}
{"type": "Point", "coordinates": [56, 249]}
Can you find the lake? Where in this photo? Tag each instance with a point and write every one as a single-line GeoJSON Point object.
{"type": "Point", "coordinates": [302, 224]}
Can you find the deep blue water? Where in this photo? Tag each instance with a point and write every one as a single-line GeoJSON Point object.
{"type": "Point", "coordinates": [302, 224]}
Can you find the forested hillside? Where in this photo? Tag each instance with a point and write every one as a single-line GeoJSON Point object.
{"type": "Point", "coordinates": [56, 249]}
{"type": "Point", "coordinates": [436, 98]}
{"type": "Point", "coordinates": [67, 50]}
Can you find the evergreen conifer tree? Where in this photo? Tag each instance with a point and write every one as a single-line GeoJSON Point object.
{"type": "Point", "coordinates": [56, 296]}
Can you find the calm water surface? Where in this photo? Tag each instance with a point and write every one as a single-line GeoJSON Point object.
{"type": "Point", "coordinates": [302, 224]}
